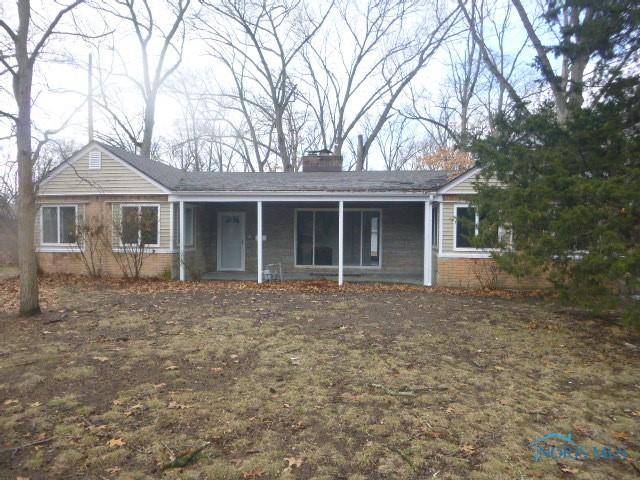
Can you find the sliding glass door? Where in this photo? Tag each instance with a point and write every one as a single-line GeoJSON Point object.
{"type": "Point", "coordinates": [317, 238]}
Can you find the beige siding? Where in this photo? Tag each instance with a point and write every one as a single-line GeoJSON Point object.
{"type": "Point", "coordinates": [448, 226]}
{"type": "Point", "coordinates": [467, 186]}
{"type": "Point", "coordinates": [113, 177]}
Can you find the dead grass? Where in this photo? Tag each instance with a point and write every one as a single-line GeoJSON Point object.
{"type": "Point", "coordinates": [122, 378]}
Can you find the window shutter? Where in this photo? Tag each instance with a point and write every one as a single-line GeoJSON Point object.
{"type": "Point", "coordinates": [95, 160]}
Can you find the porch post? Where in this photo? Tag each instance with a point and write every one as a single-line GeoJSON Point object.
{"type": "Point", "coordinates": [181, 258]}
{"type": "Point", "coordinates": [340, 243]}
{"type": "Point", "coordinates": [428, 240]}
{"type": "Point", "coordinates": [259, 233]}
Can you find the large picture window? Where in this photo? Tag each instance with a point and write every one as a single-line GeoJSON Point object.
{"type": "Point", "coordinates": [59, 224]}
{"type": "Point", "coordinates": [139, 225]}
{"type": "Point", "coordinates": [468, 226]}
{"type": "Point", "coordinates": [317, 238]}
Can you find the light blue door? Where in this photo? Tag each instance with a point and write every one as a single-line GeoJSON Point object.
{"type": "Point", "coordinates": [231, 241]}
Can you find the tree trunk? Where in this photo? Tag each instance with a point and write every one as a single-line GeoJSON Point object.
{"type": "Point", "coordinates": [149, 122]}
{"type": "Point", "coordinates": [29, 297]}
{"type": "Point", "coordinates": [282, 143]}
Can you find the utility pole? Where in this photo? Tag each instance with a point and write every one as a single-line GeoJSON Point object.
{"type": "Point", "coordinates": [360, 154]}
{"type": "Point", "coordinates": [90, 98]}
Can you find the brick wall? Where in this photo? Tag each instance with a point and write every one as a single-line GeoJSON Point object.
{"type": "Point", "coordinates": [479, 273]}
{"type": "Point", "coordinates": [154, 265]}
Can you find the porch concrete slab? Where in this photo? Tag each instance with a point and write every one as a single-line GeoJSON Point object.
{"type": "Point", "coordinates": [348, 277]}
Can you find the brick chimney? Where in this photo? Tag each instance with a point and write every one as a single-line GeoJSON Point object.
{"type": "Point", "coordinates": [321, 161]}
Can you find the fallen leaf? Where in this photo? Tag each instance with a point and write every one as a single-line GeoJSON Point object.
{"type": "Point", "coordinates": [101, 359]}
{"type": "Point", "coordinates": [176, 405]}
{"type": "Point", "coordinates": [216, 370]}
{"type": "Point", "coordinates": [567, 470]}
{"type": "Point", "coordinates": [636, 413]}
{"type": "Point", "coordinates": [582, 430]}
{"type": "Point", "coordinates": [171, 367]}
{"type": "Point", "coordinates": [467, 449]}
{"type": "Point", "coordinates": [621, 436]}
{"type": "Point", "coordinates": [35, 404]}
{"type": "Point", "coordinates": [133, 409]}
{"type": "Point", "coordinates": [23, 478]}
{"type": "Point", "coordinates": [292, 462]}
{"type": "Point", "coordinates": [255, 473]}
{"type": "Point", "coordinates": [10, 402]}
{"type": "Point", "coordinates": [116, 442]}
{"type": "Point", "coordinates": [117, 402]}
{"type": "Point", "coordinates": [113, 470]}
{"type": "Point", "coordinates": [185, 458]}
{"type": "Point", "coordinates": [159, 385]}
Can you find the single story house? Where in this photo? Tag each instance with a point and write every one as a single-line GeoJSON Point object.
{"type": "Point", "coordinates": [321, 222]}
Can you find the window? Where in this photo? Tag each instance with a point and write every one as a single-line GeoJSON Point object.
{"type": "Point", "coordinates": [317, 238]}
{"type": "Point", "coordinates": [188, 226]}
{"type": "Point", "coordinates": [95, 160]}
{"type": "Point", "coordinates": [59, 224]}
{"type": "Point", "coordinates": [468, 226]}
{"type": "Point", "coordinates": [435, 214]}
{"type": "Point", "coordinates": [139, 225]}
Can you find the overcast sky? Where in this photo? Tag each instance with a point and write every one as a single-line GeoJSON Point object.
{"type": "Point", "coordinates": [61, 83]}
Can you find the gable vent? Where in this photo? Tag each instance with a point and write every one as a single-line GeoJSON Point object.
{"type": "Point", "coordinates": [95, 160]}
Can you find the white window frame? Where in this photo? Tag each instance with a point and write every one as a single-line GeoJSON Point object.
{"type": "Point", "coordinates": [57, 207]}
{"type": "Point", "coordinates": [140, 205]}
{"type": "Point", "coordinates": [456, 206]}
{"type": "Point", "coordinates": [361, 210]}
{"type": "Point", "coordinates": [192, 244]}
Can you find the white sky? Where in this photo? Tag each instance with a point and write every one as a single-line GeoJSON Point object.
{"type": "Point", "coordinates": [59, 88]}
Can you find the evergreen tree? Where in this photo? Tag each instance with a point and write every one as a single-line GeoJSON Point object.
{"type": "Point", "coordinates": [571, 198]}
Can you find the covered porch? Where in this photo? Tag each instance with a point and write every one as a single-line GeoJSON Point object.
{"type": "Point", "coordinates": [345, 239]}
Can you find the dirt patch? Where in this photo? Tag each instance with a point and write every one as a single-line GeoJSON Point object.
{"type": "Point", "coordinates": [117, 380]}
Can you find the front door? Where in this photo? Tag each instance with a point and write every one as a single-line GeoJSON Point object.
{"type": "Point", "coordinates": [230, 241]}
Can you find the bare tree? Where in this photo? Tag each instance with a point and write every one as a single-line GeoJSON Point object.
{"type": "Point", "coordinates": [388, 53]}
{"type": "Point", "coordinates": [24, 47]}
{"type": "Point", "coordinates": [470, 98]}
{"type": "Point", "coordinates": [259, 46]}
{"type": "Point", "coordinates": [397, 144]}
{"type": "Point", "coordinates": [161, 51]}
{"type": "Point", "coordinates": [251, 117]}
{"type": "Point", "coordinates": [567, 20]}
{"type": "Point", "coordinates": [92, 242]}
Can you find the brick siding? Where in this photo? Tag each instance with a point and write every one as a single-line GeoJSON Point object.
{"type": "Point", "coordinates": [480, 273]}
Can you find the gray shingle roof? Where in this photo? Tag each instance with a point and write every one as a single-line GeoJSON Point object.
{"type": "Point", "coordinates": [314, 181]}
{"type": "Point", "coordinates": [178, 180]}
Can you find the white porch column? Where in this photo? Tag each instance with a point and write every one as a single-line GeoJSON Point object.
{"type": "Point", "coordinates": [428, 240]}
{"type": "Point", "coordinates": [259, 234]}
{"type": "Point", "coordinates": [181, 249]}
{"type": "Point", "coordinates": [340, 243]}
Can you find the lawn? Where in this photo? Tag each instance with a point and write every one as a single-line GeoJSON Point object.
{"type": "Point", "coordinates": [308, 381]}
